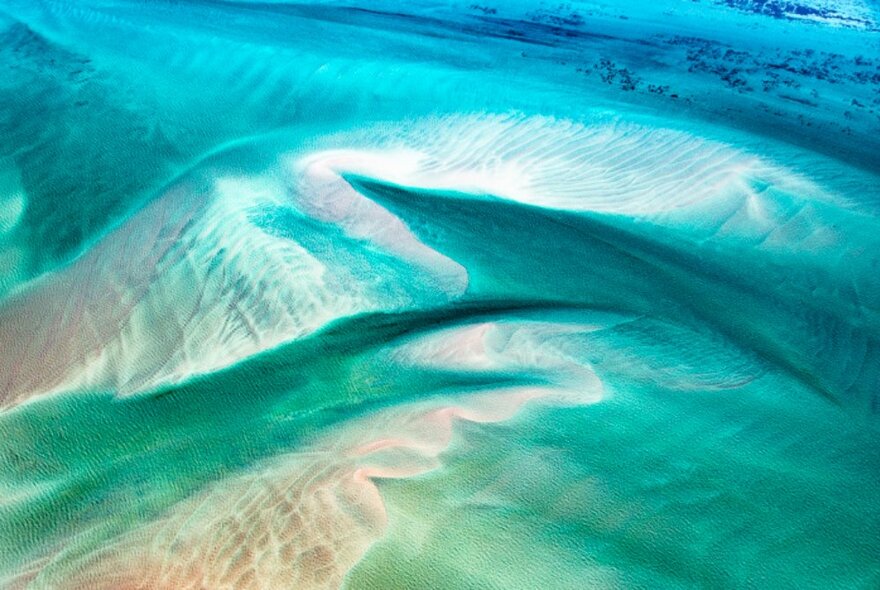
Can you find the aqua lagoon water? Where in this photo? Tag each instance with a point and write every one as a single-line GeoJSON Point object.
{"type": "Point", "coordinates": [439, 294]}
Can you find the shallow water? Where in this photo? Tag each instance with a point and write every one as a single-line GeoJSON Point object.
{"type": "Point", "coordinates": [439, 295]}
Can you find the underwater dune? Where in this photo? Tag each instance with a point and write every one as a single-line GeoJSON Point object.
{"type": "Point", "coordinates": [439, 294]}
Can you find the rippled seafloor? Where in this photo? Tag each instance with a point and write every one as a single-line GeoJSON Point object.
{"type": "Point", "coordinates": [439, 295]}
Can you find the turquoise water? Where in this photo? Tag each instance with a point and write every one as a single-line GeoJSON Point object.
{"type": "Point", "coordinates": [439, 294]}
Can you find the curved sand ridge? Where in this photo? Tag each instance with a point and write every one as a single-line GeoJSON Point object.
{"type": "Point", "coordinates": [304, 519]}
{"type": "Point", "coordinates": [699, 189]}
